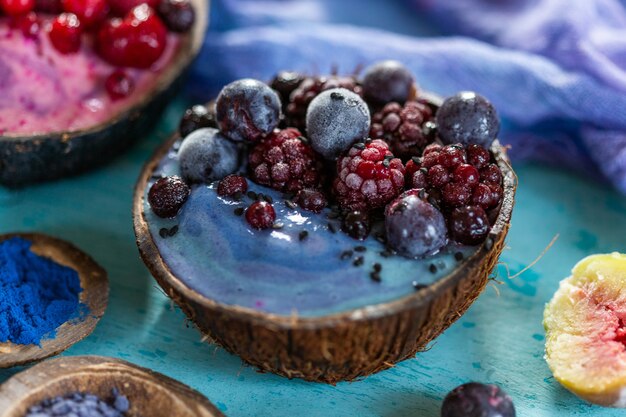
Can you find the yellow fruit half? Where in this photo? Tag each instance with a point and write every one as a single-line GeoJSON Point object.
{"type": "Point", "coordinates": [585, 326]}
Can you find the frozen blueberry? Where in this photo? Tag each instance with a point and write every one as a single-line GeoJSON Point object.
{"type": "Point", "coordinates": [388, 81]}
{"type": "Point", "coordinates": [415, 228]}
{"type": "Point", "coordinates": [205, 156]}
{"type": "Point", "coordinates": [477, 400]}
{"type": "Point", "coordinates": [247, 110]}
{"type": "Point", "coordinates": [197, 117]}
{"type": "Point", "coordinates": [336, 119]}
{"type": "Point", "coordinates": [468, 118]}
{"type": "Point", "coordinates": [285, 82]}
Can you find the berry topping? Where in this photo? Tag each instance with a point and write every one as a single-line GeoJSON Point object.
{"type": "Point", "coordinates": [137, 41]}
{"type": "Point", "coordinates": [468, 118]}
{"type": "Point", "coordinates": [285, 82]}
{"type": "Point", "coordinates": [388, 81]}
{"type": "Point", "coordinates": [260, 215]}
{"type": "Point", "coordinates": [415, 228]}
{"type": "Point", "coordinates": [89, 12]}
{"type": "Point", "coordinates": [308, 89]}
{"type": "Point", "coordinates": [285, 162]}
{"type": "Point", "coordinates": [122, 7]}
{"type": "Point", "coordinates": [231, 185]}
{"type": "Point", "coordinates": [29, 25]}
{"type": "Point", "coordinates": [356, 224]}
{"type": "Point", "coordinates": [167, 196]}
{"type": "Point", "coordinates": [205, 156]}
{"type": "Point", "coordinates": [402, 127]}
{"type": "Point", "coordinates": [178, 15]}
{"type": "Point", "coordinates": [335, 120]}
{"type": "Point", "coordinates": [48, 6]}
{"type": "Point", "coordinates": [247, 110]}
{"type": "Point", "coordinates": [17, 7]}
{"type": "Point", "coordinates": [477, 400]}
{"type": "Point", "coordinates": [119, 85]}
{"type": "Point", "coordinates": [311, 200]}
{"type": "Point", "coordinates": [197, 117]}
{"type": "Point", "coordinates": [368, 176]}
{"type": "Point", "coordinates": [65, 33]}
{"type": "Point", "coordinates": [469, 225]}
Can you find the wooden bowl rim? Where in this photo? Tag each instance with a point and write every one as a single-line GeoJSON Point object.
{"type": "Point", "coordinates": [190, 45]}
{"type": "Point", "coordinates": [155, 263]}
{"type": "Point", "coordinates": [95, 295]}
{"type": "Point", "coordinates": [54, 372]}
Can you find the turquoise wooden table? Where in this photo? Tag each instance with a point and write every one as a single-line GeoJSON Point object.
{"type": "Point", "coordinates": [499, 340]}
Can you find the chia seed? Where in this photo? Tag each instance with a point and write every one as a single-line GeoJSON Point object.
{"type": "Point", "coordinates": [432, 268]}
{"type": "Point", "coordinates": [238, 211]}
{"type": "Point", "coordinates": [418, 286]}
{"type": "Point", "coordinates": [332, 228]}
{"type": "Point", "coordinates": [347, 254]}
{"type": "Point", "coordinates": [252, 195]}
{"type": "Point", "coordinates": [303, 235]}
{"type": "Point", "coordinates": [290, 204]}
{"type": "Point", "coordinates": [458, 256]}
{"type": "Point", "coordinates": [360, 248]}
{"type": "Point", "coordinates": [378, 267]}
{"type": "Point", "coordinates": [375, 276]}
{"type": "Point", "coordinates": [358, 261]}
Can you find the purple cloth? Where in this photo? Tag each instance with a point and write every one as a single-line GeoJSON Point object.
{"type": "Point", "coordinates": [555, 69]}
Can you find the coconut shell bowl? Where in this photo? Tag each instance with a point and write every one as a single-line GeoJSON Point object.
{"type": "Point", "coordinates": [291, 333]}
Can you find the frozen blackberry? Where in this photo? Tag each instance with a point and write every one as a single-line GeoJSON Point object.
{"type": "Point", "coordinates": [469, 225]}
{"type": "Point", "coordinates": [415, 228]}
{"type": "Point", "coordinates": [402, 127]}
{"type": "Point", "coordinates": [388, 81]}
{"type": "Point", "coordinates": [205, 156]}
{"type": "Point", "coordinates": [336, 119]}
{"type": "Point", "coordinates": [231, 185]}
{"type": "Point", "coordinates": [285, 82]}
{"type": "Point", "coordinates": [368, 177]}
{"type": "Point", "coordinates": [260, 215]}
{"type": "Point", "coordinates": [308, 89]}
{"type": "Point", "coordinates": [356, 224]}
{"type": "Point", "coordinates": [168, 195]}
{"type": "Point", "coordinates": [285, 161]}
{"type": "Point", "coordinates": [247, 110]}
{"type": "Point", "coordinates": [468, 118]}
{"type": "Point", "coordinates": [196, 117]}
{"type": "Point", "coordinates": [477, 400]}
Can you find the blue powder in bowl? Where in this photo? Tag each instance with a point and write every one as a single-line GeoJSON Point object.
{"type": "Point", "coordinates": [80, 404]}
{"type": "Point", "coordinates": [37, 295]}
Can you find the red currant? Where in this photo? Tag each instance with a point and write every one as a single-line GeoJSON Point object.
{"type": "Point", "coordinates": [90, 12]}
{"type": "Point", "coordinates": [119, 85]}
{"type": "Point", "coordinates": [65, 33]}
{"type": "Point", "coordinates": [17, 7]}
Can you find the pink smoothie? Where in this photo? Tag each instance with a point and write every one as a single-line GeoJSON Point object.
{"type": "Point", "coordinates": [43, 91]}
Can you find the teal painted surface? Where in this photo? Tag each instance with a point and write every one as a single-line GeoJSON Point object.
{"type": "Point", "coordinates": [499, 340]}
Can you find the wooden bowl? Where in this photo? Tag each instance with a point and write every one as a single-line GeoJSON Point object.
{"type": "Point", "coordinates": [150, 394]}
{"type": "Point", "coordinates": [95, 295]}
{"type": "Point", "coordinates": [337, 347]}
{"type": "Point", "coordinates": [49, 156]}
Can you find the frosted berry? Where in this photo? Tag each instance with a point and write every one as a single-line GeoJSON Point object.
{"type": "Point", "coordinates": [402, 127]}
{"type": "Point", "coordinates": [122, 7]}
{"type": "Point", "coordinates": [119, 84]}
{"type": "Point", "coordinates": [247, 110]}
{"type": "Point", "coordinates": [231, 185]}
{"type": "Point", "coordinates": [89, 12]}
{"type": "Point", "coordinates": [356, 224]}
{"type": "Point", "coordinates": [260, 215]}
{"type": "Point", "coordinates": [368, 177]}
{"type": "Point", "coordinates": [65, 33]}
{"type": "Point", "coordinates": [285, 161]}
{"type": "Point", "coordinates": [196, 117]}
{"type": "Point", "coordinates": [477, 400]}
{"type": "Point", "coordinates": [137, 41]}
{"type": "Point", "coordinates": [468, 118]}
{"type": "Point", "coordinates": [285, 82]}
{"type": "Point", "coordinates": [168, 195]}
{"type": "Point", "coordinates": [388, 81]}
{"type": "Point", "coordinates": [17, 7]}
{"type": "Point", "coordinates": [335, 120]}
{"type": "Point", "coordinates": [469, 225]}
{"type": "Point", "coordinates": [415, 228]}
{"type": "Point", "coordinates": [311, 200]}
{"type": "Point", "coordinates": [205, 156]}
{"type": "Point", "coordinates": [308, 89]}
{"type": "Point", "coordinates": [178, 15]}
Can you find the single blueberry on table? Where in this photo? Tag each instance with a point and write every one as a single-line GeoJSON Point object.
{"type": "Point", "coordinates": [336, 119]}
{"type": "Point", "coordinates": [247, 110]}
{"type": "Point", "coordinates": [477, 400]}
{"type": "Point", "coordinates": [388, 81]}
{"type": "Point", "coordinates": [468, 118]}
{"type": "Point", "coordinates": [205, 156]}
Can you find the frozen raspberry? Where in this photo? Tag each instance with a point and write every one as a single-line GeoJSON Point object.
{"type": "Point", "coordinates": [368, 176]}
{"type": "Point", "coordinates": [402, 127]}
{"type": "Point", "coordinates": [260, 215]}
{"type": "Point", "coordinates": [167, 196]}
{"type": "Point", "coordinates": [122, 7]}
{"type": "Point", "coordinates": [311, 200]}
{"type": "Point", "coordinates": [89, 12]}
{"type": "Point", "coordinates": [65, 33]}
{"type": "Point", "coordinates": [308, 89]}
{"type": "Point", "coordinates": [285, 161]}
{"type": "Point", "coordinates": [469, 225]}
{"type": "Point", "coordinates": [231, 185]}
{"type": "Point", "coordinates": [17, 7]}
{"type": "Point", "coordinates": [178, 15]}
{"type": "Point", "coordinates": [119, 84]}
{"type": "Point", "coordinates": [356, 224]}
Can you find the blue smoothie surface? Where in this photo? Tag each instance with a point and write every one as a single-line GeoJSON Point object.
{"type": "Point", "coordinates": [216, 253]}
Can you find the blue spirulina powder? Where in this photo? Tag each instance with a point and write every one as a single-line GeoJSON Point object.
{"type": "Point", "coordinates": [37, 295]}
{"type": "Point", "coordinates": [80, 404]}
